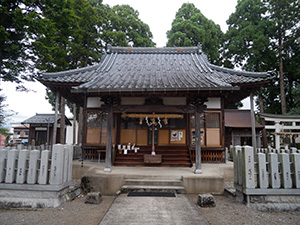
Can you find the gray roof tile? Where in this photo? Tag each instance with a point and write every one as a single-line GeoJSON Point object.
{"type": "Point", "coordinates": [136, 69]}
{"type": "Point", "coordinates": [44, 119]}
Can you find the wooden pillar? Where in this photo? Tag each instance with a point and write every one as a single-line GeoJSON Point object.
{"type": "Point", "coordinates": [55, 119]}
{"type": "Point", "coordinates": [198, 169]}
{"type": "Point", "coordinates": [62, 121]}
{"type": "Point", "coordinates": [84, 129]}
{"type": "Point", "coordinates": [118, 129]}
{"type": "Point", "coordinates": [109, 139]}
{"type": "Point", "coordinates": [253, 123]}
{"type": "Point", "coordinates": [198, 103]}
{"type": "Point", "coordinates": [80, 122]}
{"type": "Point", "coordinates": [74, 124]}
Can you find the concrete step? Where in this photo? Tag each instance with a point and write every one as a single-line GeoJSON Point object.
{"type": "Point", "coordinates": [153, 182]}
{"type": "Point", "coordinates": [151, 188]}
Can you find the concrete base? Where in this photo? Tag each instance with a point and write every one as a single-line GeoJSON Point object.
{"type": "Point", "coordinates": [36, 196]}
{"type": "Point", "coordinates": [200, 185]}
{"type": "Point", "coordinates": [270, 203]}
{"type": "Point", "coordinates": [94, 179]}
{"type": "Point", "coordinates": [110, 185]}
{"type": "Point", "coordinates": [32, 199]}
{"type": "Point", "coordinates": [106, 184]}
{"type": "Point", "coordinates": [198, 171]}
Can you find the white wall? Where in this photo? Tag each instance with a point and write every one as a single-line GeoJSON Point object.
{"type": "Point", "coordinates": [69, 133]}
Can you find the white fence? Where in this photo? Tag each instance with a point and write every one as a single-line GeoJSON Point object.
{"type": "Point", "coordinates": [267, 171]}
{"type": "Point", "coordinates": [35, 169]}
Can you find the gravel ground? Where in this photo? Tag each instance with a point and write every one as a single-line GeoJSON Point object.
{"type": "Point", "coordinates": [228, 211]}
{"type": "Point", "coordinates": [75, 212]}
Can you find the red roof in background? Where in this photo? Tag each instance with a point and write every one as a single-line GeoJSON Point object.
{"type": "Point", "coordinates": [239, 119]}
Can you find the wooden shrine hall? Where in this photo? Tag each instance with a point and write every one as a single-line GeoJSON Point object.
{"type": "Point", "coordinates": [146, 106]}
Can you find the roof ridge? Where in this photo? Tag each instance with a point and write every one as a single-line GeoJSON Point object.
{"type": "Point", "coordinates": [153, 50]}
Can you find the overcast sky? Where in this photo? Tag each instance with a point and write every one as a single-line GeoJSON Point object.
{"type": "Point", "coordinates": [158, 14]}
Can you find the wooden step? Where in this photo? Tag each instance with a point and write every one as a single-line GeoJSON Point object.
{"type": "Point", "coordinates": [176, 156]}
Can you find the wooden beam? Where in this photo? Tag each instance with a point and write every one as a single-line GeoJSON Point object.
{"type": "Point", "coordinates": [152, 109]}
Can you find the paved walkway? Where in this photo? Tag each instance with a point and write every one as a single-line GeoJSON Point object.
{"type": "Point", "coordinates": [153, 210]}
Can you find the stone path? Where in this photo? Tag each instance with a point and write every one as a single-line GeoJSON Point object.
{"type": "Point", "coordinates": [153, 210]}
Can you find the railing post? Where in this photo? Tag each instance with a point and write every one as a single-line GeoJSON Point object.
{"type": "Point", "coordinates": [21, 172]}
{"type": "Point", "coordinates": [3, 156]}
{"type": "Point", "coordinates": [286, 181]}
{"type": "Point", "coordinates": [70, 154]}
{"type": "Point", "coordinates": [43, 175]}
{"type": "Point", "coordinates": [274, 174]}
{"type": "Point", "coordinates": [262, 170]}
{"type": "Point", "coordinates": [11, 165]}
{"type": "Point", "coordinates": [295, 157]}
{"type": "Point", "coordinates": [56, 175]}
{"type": "Point", "coordinates": [236, 163]}
{"type": "Point", "coordinates": [33, 165]}
{"type": "Point", "coordinates": [248, 167]}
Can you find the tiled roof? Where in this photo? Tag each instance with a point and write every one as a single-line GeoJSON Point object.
{"type": "Point", "coordinates": [44, 119]}
{"type": "Point", "coordinates": [148, 69]}
{"type": "Point", "coordinates": [81, 75]}
{"type": "Point", "coordinates": [239, 119]}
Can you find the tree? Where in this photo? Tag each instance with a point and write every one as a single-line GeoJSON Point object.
{"type": "Point", "coordinates": [16, 17]}
{"type": "Point", "coordinates": [285, 15]}
{"type": "Point", "coordinates": [296, 94]}
{"type": "Point", "coordinates": [73, 33]}
{"type": "Point", "coordinates": [122, 27]}
{"type": "Point", "coordinates": [253, 42]}
{"type": "Point", "coordinates": [190, 27]}
{"type": "Point", "coordinates": [67, 37]}
{"type": "Point", "coordinates": [246, 42]}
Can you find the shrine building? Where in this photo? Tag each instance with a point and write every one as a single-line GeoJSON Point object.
{"type": "Point", "coordinates": [147, 106]}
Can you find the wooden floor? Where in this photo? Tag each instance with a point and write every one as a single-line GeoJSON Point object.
{"type": "Point", "coordinates": [172, 156]}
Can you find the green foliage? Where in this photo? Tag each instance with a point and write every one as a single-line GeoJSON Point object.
{"type": "Point", "coordinates": [66, 36]}
{"type": "Point", "coordinates": [122, 27]}
{"type": "Point", "coordinates": [261, 35]}
{"type": "Point", "coordinates": [16, 17]}
{"type": "Point", "coordinates": [296, 97]}
{"type": "Point", "coordinates": [246, 40]}
{"type": "Point", "coordinates": [190, 27]}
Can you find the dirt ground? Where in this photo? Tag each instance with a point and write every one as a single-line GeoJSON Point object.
{"type": "Point", "coordinates": [227, 211]}
{"type": "Point", "coordinates": [73, 212]}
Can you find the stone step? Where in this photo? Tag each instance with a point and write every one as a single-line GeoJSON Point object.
{"type": "Point", "coordinates": [153, 182]}
{"type": "Point", "coordinates": [146, 188]}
